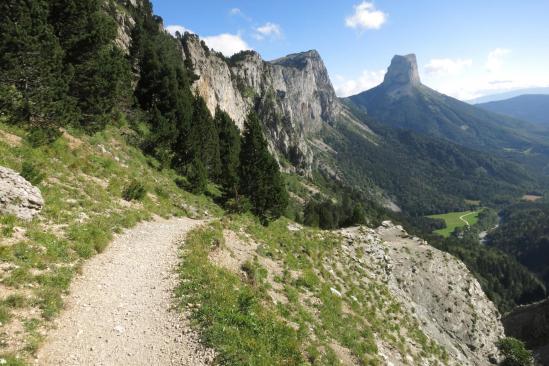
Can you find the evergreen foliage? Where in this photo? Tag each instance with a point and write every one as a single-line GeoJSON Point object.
{"type": "Point", "coordinates": [515, 353]}
{"type": "Point", "coordinates": [32, 83]}
{"type": "Point", "coordinates": [229, 152]}
{"type": "Point", "coordinates": [349, 211]}
{"type": "Point", "coordinates": [506, 282]}
{"type": "Point", "coordinates": [524, 234]}
{"type": "Point", "coordinates": [198, 177]}
{"type": "Point", "coordinates": [201, 142]}
{"type": "Point", "coordinates": [163, 88]}
{"type": "Point", "coordinates": [260, 177]}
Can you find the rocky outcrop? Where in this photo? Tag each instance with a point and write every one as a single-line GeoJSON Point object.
{"type": "Point", "coordinates": [293, 95]}
{"type": "Point", "coordinates": [530, 324]}
{"type": "Point", "coordinates": [402, 76]}
{"type": "Point", "coordinates": [403, 70]}
{"type": "Point", "coordinates": [17, 196]}
{"type": "Point", "coordinates": [435, 287]}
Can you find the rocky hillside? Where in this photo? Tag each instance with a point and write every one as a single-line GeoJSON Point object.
{"type": "Point", "coordinates": [352, 297]}
{"type": "Point", "coordinates": [293, 95]}
{"type": "Point", "coordinates": [438, 289]}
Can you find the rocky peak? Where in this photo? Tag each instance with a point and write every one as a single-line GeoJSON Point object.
{"type": "Point", "coordinates": [402, 71]}
{"type": "Point", "coordinates": [300, 60]}
{"type": "Point", "coordinates": [292, 95]}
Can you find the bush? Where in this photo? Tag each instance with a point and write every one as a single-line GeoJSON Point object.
{"type": "Point", "coordinates": [238, 205]}
{"type": "Point", "coordinates": [134, 191]}
{"type": "Point", "coordinates": [31, 173]}
{"type": "Point", "coordinates": [41, 136]}
{"type": "Point", "coordinates": [515, 352]}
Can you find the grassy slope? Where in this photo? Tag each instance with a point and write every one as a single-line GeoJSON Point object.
{"type": "Point", "coordinates": [82, 189]}
{"type": "Point", "coordinates": [280, 307]}
{"type": "Point", "coordinates": [453, 221]}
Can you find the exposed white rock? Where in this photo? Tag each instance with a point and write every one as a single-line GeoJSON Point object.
{"type": "Point", "coordinates": [17, 196]}
{"type": "Point", "coordinates": [437, 288]}
{"type": "Point", "coordinates": [293, 95]}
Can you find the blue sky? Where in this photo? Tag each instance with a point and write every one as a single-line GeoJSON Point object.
{"type": "Point", "coordinates": [464, 48]}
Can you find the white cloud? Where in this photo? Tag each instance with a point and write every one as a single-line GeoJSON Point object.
{"type": "Point", "coordinates": [366, 16]}
{"type": "Point", "coordinates": [447, 65]}
{"type": "Point", "coordinates": [227, 44]}
{"type": "Point", "coordinates": [240, 13]}
{"type": "Point", "coordinates": [268, 30]}
{"type": "Point", "coordinates": [477, 84]}
{"type": "Point", "coordinates": [177, 28]}
{"type": "Point", "coordinates": [494, 62]}
{"type": "Point", "coordinates": [366, 80]}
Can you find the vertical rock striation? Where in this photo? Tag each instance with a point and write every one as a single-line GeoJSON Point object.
{"type": "Point", "coordinates": [293, 95]}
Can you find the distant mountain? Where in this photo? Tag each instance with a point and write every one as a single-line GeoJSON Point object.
{"type": "Point", "coordinates": [507, 95]}
{"type": "Point", "coordinates": [403, 102]}
{"type": "Point", "coordinates": [313, 131]}
{"type": "Point", "coordinates": [531, 107]}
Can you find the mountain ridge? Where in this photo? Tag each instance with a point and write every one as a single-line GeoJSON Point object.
{"type": "Point", "coordinates": [414, 106]}
{"type": "Point", "coordinates": [533, 108]}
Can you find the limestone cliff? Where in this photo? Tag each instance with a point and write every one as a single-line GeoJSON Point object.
{"type": "Point", "coordinates": [293, 95]}
{"type": "Point", "coordinates": [435, 287]}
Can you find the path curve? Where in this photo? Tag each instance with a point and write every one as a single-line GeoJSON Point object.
{"type": "Point", "coordinates": [465, 221]}
{"type": "Point", "coordinates": [120, 310]}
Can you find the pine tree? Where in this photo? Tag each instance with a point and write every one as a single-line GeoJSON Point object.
{"type": "Point", "coordinates": [229, 151]}
{"type": "Point", "coordinates": [32, 83]}
{"type": "Point", "coordinates": [260, 177]}
{"type": "Point", "coordinates": [198, 177]}
{"type": "Point", "coordinates": [163, 87]}
{"type": "Point", "coordinates": [100, 74]}
{"type": "Point", "coordinates": [359, 215]}
{"type": "Point", "coordinates": [201, 142]}
{"type": "Point", "coordinates": [158, 143]}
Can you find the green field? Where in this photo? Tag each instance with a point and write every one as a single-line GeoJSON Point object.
{"type": "Point", "coordinates": [454, 220]}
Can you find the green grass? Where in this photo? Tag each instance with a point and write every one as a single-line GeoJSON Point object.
{"type": "Point", "coordinates": [453, 221]}
{"type": "Point", "coordinates": [83, 185]}
{"type": "Point", "coordinates": [230, 312]}
{"type": "Point", "coordinates": [236, 314]}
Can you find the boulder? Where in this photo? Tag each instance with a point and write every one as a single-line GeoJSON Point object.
{"type": "Point", "coordinates": [17, 196]}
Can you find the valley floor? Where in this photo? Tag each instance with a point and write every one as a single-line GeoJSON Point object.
{"type": "Point", "coordinates": [120, 310]}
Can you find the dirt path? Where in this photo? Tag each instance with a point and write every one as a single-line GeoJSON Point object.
{"type": "Point", "coordinates": [119, 311]}
{"type": "Point", "coordinates": [462, 218]}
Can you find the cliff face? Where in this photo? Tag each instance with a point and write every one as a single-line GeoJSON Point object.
{"type": "Point", "coordinates": [433, 286]}
{"type": "Point", "coordinates": [293, 95]}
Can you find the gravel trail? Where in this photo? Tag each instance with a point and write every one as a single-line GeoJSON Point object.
{"type": "Point", "coordinates": [120, 310]}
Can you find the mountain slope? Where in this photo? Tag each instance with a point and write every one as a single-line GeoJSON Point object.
{"type": "Point", "coordinates": [401, 101]}
{"type": "Point", "coordinates": [422, 174]}
{"type": "Point", "coordinates": [313, 131]}
{"type": "Point", "coordinates": [530, 107]}
{"type": "Point", "coordinates": [508, 95]}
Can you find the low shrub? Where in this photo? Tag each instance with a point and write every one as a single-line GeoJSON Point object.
{"type": "Point", "coordinates": [135, 191]}
{"type": "Point", "coordinates": [41, 136]}
{"type": "Point", "coordinates": [31, 173]}
{"type": "Point", "coordinates": [515, 352]}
